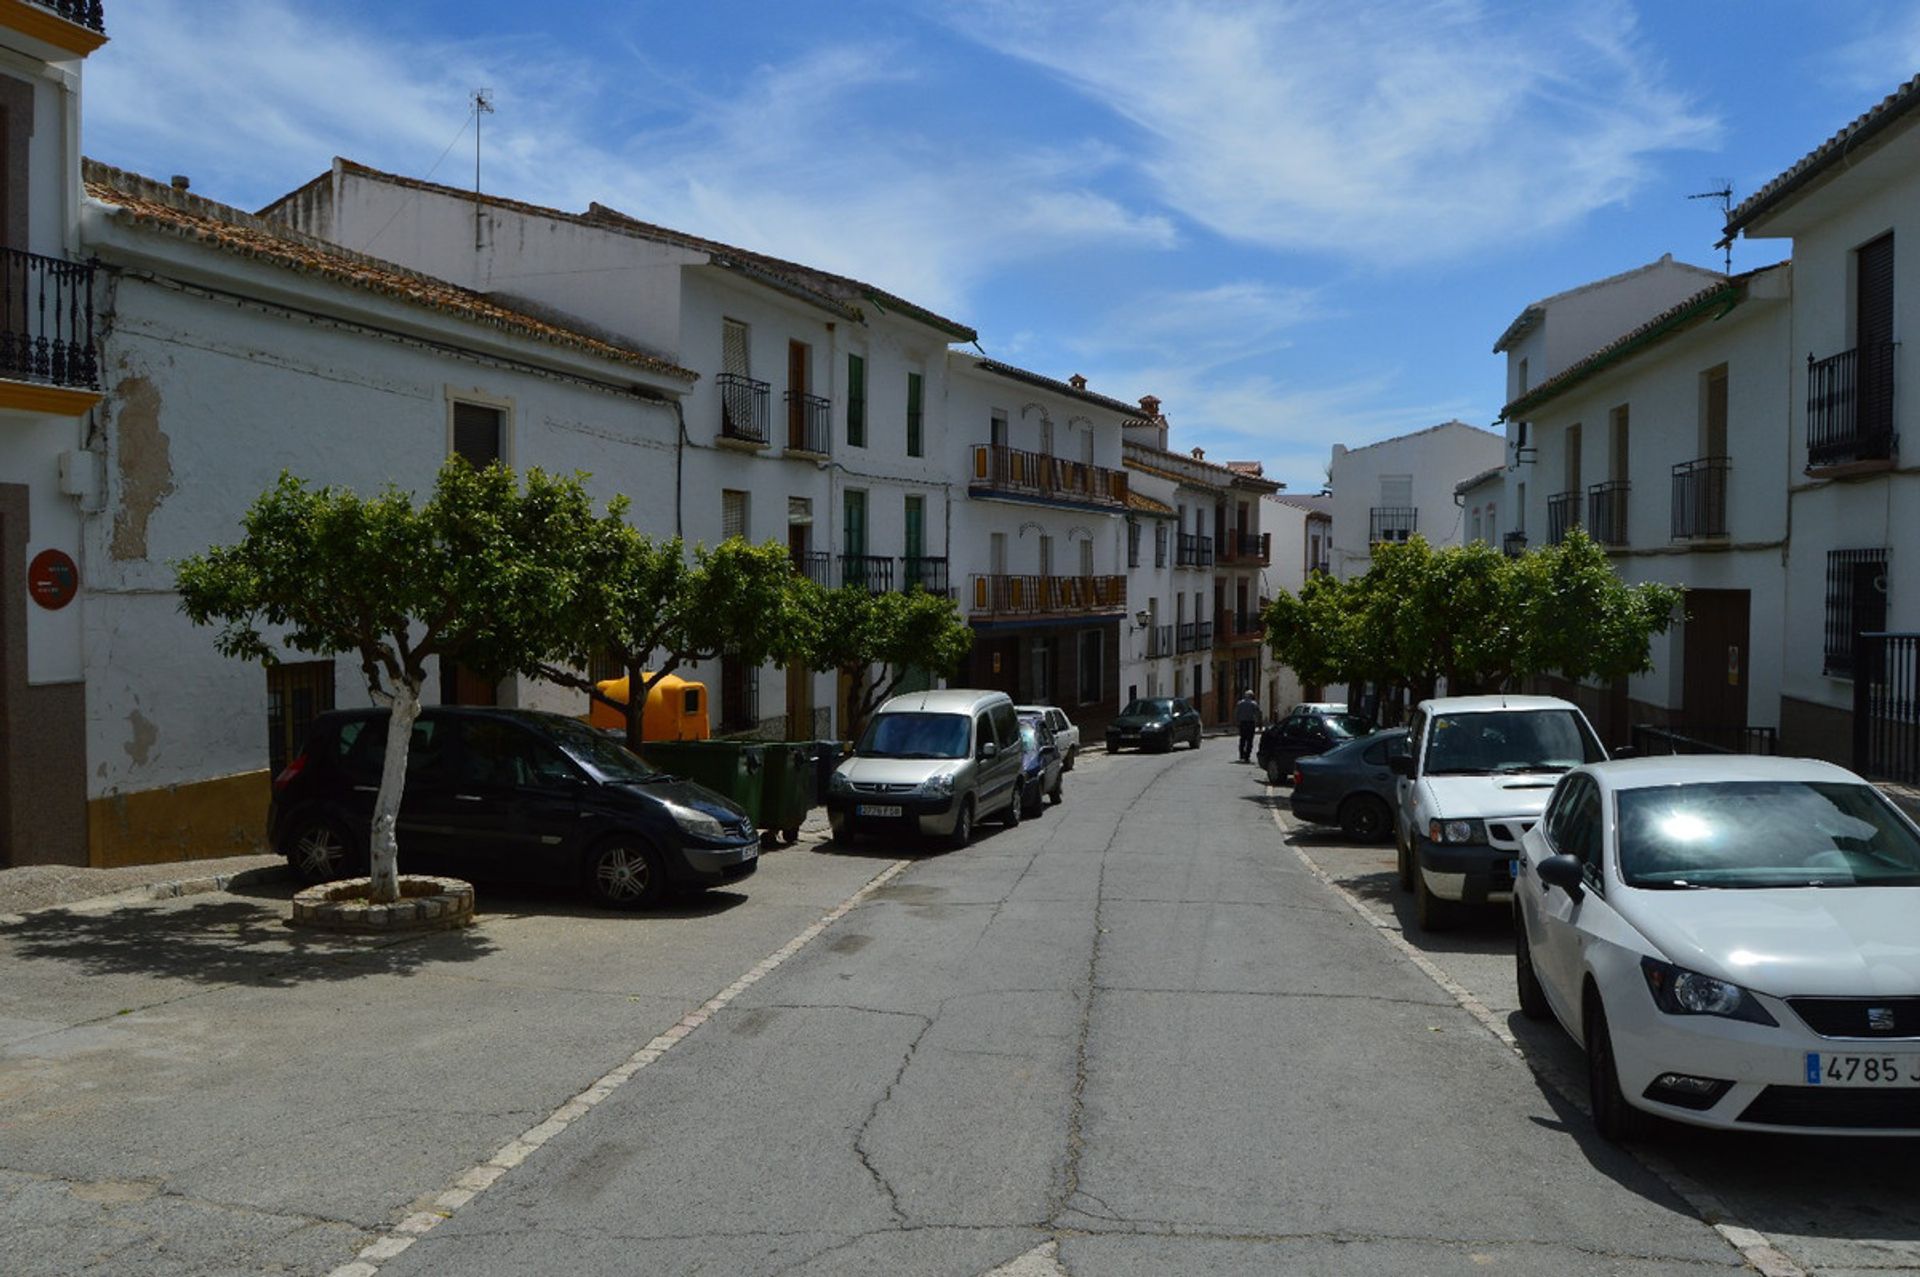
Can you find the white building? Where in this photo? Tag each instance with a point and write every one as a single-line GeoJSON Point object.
{"type": "Point", "coordinates": [1479, 498]}
{"type": "Point", "coordinates": [1302, 531]}
{"type": "Point", "coordinates": [1390, 490]}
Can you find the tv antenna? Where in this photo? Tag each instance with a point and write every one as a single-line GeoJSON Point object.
{"type": "Point", "coordinates": [482, 105]}
{"type": "Point", "coordinates": [1725, 195]}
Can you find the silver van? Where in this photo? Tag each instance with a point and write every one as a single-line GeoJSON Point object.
{"type": "Point", "coordinates": [930, 763]}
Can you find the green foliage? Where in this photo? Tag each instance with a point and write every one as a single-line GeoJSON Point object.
{"type": "Point", "coordinates": [1471, 615]}
{"type": "Point", "coordinates": [874, 639]}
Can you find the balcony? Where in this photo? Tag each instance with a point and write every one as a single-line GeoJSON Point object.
{"type": "Point", "coordinates": [1191, 550]}
{"type": "Point", "coordinates": [1017, 596]}
{"type": "Point", "coordinates": [82, 13]}
{"type": "Point", "coordinates": [1239, 626]}
{"type": "Point", "coordinates": [1000, 471]}
{"type": "Point", "coordinates": [870, 572]}
{"type": "Point", "coordinates": [1514, 544]}
{"type": "Point", "coordinates": [46, 321]}
{"type": "Point", "coordinates": [1700, 499]}
{"type": "Point", "coordinates": [1159, 641]}
{"type": "Point", "coordinates": [1850, 407]}
{"type": "Point", "coordinates": [808, 428]}
{"type": "Point", "coordinates": [1607, 512]}
{"type": "Point", "coordinates": [922, 572]}
{"type": "Point", "coordinates": [743, 409]}
{"type": "Point", "coordinates": [1563, 512]}
{"type": "Point", "coordinates": [1247, 549]}
{"type": "Point", "coordinates": [815, 565]}
{"type": "Point", "coordinates": [1391, 523]}
{"type": "Point", "coordinates": [1193, 636]}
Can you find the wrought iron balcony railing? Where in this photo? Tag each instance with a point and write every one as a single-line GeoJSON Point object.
{"type": "Point", "coordinates": [1391, 523]}
{"type": "Point", "coordinates": [870, 572]}
{"type": "Point", "coordinates": [1192, 550]}
{"type": "Point", "coordinates": [1850, 406]}
{"type": "Point", "coordinates": [1023, 595]}
{"type": "Point", "coordinates": [920, 571]}
{"type": "Point", "coordinates": [1700, 498]}
{"type": "Point", "coordinates": [1159, 641]}
{"type": "Point", "coordinates": [815, 565]}
{"type": "Point", "coordinates": [1000, 469]}
{"type": "Point", "coordinates": [1514, 544]}
{"type": "Point", "coordinates": [743, 408]}
{"type": "Point", "coordinates": [1607, 511]}
{"type": "Point", "coordinates": [82, 13]}
{"type": "Point", "coordinates": [808, 426]}
{"type": "Point", "coordinates": [46, 320]}
{"type": "Point", "coordinates": [1239, 625]}
{"type": "Point", "coordinates": [1563, 512]}
{"type": "Point", "coordinates": [1184, 636]}
{"type": "Point", "coordinates": [1247, 548]}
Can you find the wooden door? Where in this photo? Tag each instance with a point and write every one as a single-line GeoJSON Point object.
{"type": "Point", "coordinates": [797, 360]}
{"type": "Point", "coordinates": [1714, 663]}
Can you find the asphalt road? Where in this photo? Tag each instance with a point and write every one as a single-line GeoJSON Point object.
{"type": "Point", "coordinates": [1136, 1035]}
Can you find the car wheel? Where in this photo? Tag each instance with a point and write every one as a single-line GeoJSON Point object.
{"type": "Point", "coordinates": [1195, 742]}
{"type": "Point", "coordinates": [1613, 1117]}
{"type": "Point", "coordinates": [962, 826]}
{"type": "Point", "coordinates": [1066, 764]}
{"type": "Point", "coordinates": [1030, 801]}
{"type": "Point", "coordinates": [1010, 818]}
{"type": "Point", "coordinates": [1058, 793]}
{"type": "Point", "coordinates": [790, 835]}
{"type": "Point", "coordinates": [1430, 911]}
{"type": "Point", "coordinates": [1272, 768]}
{"type": "Point", "coordinates": [626, 872]}
{"type": "Point", "coordinates": [1405, 861]}
{"type": "Point", "coordinates": [320, 851]}
{"type": "Point", "coordinates": [1533, 999]}
{"type": "Point", "coordinates": [1364, 818]}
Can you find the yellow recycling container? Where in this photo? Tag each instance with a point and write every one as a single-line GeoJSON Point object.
{"type": "Point", "coordinates": [676, 709]}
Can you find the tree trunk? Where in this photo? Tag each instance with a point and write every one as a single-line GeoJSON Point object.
{"type": "Point", "coordinates": [636, 707]}
{"type": "Point", "coordinates": [383, 851]}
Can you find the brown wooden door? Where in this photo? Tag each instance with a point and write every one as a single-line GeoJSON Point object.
{"type": "Point", "coordinates": [797, 394]}
{"type": "Point", "coordinates": [1714, 697]}
{"type": "Point", "coordinates": [799, 702]}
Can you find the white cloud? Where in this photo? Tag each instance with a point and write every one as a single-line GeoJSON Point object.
{"type": "Point", "coordinates": [1882, 57]}
{"type": "Point", "coordinates": [1210, 327]}
{"type": "Point", "coordinates": [1397, 131]}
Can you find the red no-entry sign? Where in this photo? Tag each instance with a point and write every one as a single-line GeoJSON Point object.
{"type": "Point", "coordinates": [52, 579]}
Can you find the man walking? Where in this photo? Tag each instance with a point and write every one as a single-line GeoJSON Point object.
{"type": "Point", "coordinates": [1247, 715]}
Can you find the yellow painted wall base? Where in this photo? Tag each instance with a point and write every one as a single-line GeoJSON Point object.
{"type": "Point", "coordinates": [223, 817]}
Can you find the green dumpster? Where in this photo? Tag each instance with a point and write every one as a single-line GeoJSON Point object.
{"type": "Point", "coordinates": [733, 769]}
{"type": "Point", "coordinates": [787, 791]}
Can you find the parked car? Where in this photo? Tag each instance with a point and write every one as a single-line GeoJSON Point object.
{"type": "Point", "coordinates": [1477, 772]}
{"type": "Point", "coordinates": [930, 763]}
{"type": "Point", "coordinates": [503, 793]}
{"type": "Point", "coordinates": [1066, 736]}
{"type": "Point", "coordinates": [1299, 735]}
{"type": "Point", "coordinates": [1350, 786]}
{"type": "Point", "coordinates": [1040, 765]}
{"type": "Point", "coordinates": [1157, 722]}
{"type": "Point", "coordinates": [1732, 940]}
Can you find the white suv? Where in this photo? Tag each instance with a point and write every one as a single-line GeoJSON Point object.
{"type": "Point", "coordinates": [1476, 777]}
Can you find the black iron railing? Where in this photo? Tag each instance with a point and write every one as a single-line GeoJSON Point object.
{"type": "Point", "coordinates": [1703, 738]}
{"type": "Point", "coordinates": [808, 426]}
{"type": "Point", "coordinates": [82, 13]}
{"type": "Point", "coordinates": [1247, 547]}
{"type": "Point", "coordinates": [998, 594]}
{"type": "Point", "coordinates": [1514, 544]}
{"type": "Point", "coordinates": [1856, 604]}
{"type": "Point", "coordinates": [998, 468]}
{"type": "Point", "coordinates": [1607, 511]}
{"type": "Point", "coordinates": [1850, 406]}
{"type": "Point", "coordinates": [1391, 523]}
{"type": "Point", "coordinates": [46, 320]}
{"type": "Point", "coordinates": [1184, 636]}
{"type": "Point", "coordinates": [870, 572]}
{"type": "Point", "coordinates": [1192, 550]}
{"type": "Point", "coordinates": [1159, 641]}
{"type": "Point", "coordinates": [1202, 635]}
{"type": "Point", "coordinates": [1238, 625]}
{"type": "Point", "coordinates": [1700, 498]}
{"type": "Point", "coordinates": [919, 571]}
{"type": "Point", "coordinates": [815, 565]}
{"type": "Point", "coordinates": [743, 407]}
{"type": "Point", "coordinates": [1886, 707]}
{"type": "Point", "coordinates": [1563, 512]}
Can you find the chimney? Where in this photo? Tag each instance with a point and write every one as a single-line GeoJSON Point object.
{"type": "Point", "coordinates": [1077, 382]}
{"type": "Point", "coordinates": [1149, 406]}
{"type": "Point", "coordinates": [1199, 454]}
{"type": "Point", "coordinates": [181, 182]}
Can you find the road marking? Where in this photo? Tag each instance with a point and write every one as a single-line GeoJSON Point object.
{"type": "Point", "coordinates": [1754, 1247]}
{"type": "Point", "coordinates": [1042, 1261]}
{"type": "Point", "coordinates": [477, 1179]}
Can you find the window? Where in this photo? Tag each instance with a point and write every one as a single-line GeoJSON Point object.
{"type": "Point", "coordinates": [916, 444]}
{"type": "Point", "coordinates": [1573, 457]}
{"type": "Point", "coordinates": [1856, 604]}
{"type": "Point", "coordinates": [739, 694]}
{"type": "Point", "coordinates": [1046, 556]}
{"type": "Point", "coordinates": [733, 348]}
{"type": "Point", "coordinates": [1133, 543]}
{"type": "Point", "coordinates": [1617, 443]}
{"type": "Point", "coordinates": [1475, 534]}
{"type": "Point", "coordinates": [1086, 557]}
{"type": "Point", "coordinates": [853, 538]}
{"type": "Point", "coordinates": [1160, 537]}
{"type": "Point", "coordinates": [1713, 412]}
{"type": "Point", "coordinates": [856, 401]}
{"type": "Point", "coordinates": [997, 429]}
{"type": "Point", "coordinates": [1396, 490]}
{"type": "Point", "coordinates": [733, 514]}
{"type": "Point", "coordinates": [296, 692]}
{"type": "Point", "coordinates": [916, 515]}
{"type": "Point", "coordinates": [479, 433]}
{"type": "Point", "coordinates": [1093, 674]}
{"type": "Point", "coordinates": [1520, 387]}
{"type": "Point", "coordinates": [997, 554]}
{"type": "Point", "coordinates": [1046, 436]}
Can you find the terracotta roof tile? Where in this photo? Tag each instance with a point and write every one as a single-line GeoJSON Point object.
{"type": "Point", "coordinates": [1044, 382]}
{"type": "Point", "coordinates": [1147, 505]}
{"type": "Point", "coordinates": [1883, 113]}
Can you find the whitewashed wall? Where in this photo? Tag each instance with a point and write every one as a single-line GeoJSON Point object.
{"type": "Point", "coordinates": [1437, 459]}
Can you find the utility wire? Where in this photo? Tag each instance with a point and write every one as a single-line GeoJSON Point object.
{"type": "Point", "coordinates": [368, 246]}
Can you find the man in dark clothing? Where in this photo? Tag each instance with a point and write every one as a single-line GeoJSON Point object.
{"type": "Point", "coordinates": [1247, 715]}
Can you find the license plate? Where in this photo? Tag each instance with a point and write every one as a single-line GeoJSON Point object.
{"type": "Point", "coordinates": [1827, 1069]}
{"type": "Point", "coordinates": [1513, 869]}
{"type": "Point", "coordinates": [875, 809]}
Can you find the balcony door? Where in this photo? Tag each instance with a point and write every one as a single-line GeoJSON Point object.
{"type": "Point", "coordinates": [799, 359]}
{"type": "Point", "coordinates": [853, 539]}
{"type": "Point", "coordinates": [1873, 334]}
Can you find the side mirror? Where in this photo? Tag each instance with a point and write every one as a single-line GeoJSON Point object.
{"type": "Point", "coordinates": [1565, 873]}
{"type": "Point", "coordinates": [1400, 765]}
{"type": "Point", "coordinates": [989, 749]}
{"type": "Point", "coordinates": [1623, 751]}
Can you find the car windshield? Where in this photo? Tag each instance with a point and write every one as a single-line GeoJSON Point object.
{"type": "Point", "coordinates": [1029, 737]}
{"type": "Point", "coordinates": [1764, 834]}
{"type": "Point", "coordinates": [1346, 726]}
{"type": "Point", "coordinates": [601, 753]}
{"type": "Point", "coordinates": [913, 735]}
{"type": "Point", "coordinates": [1518, 740]}
{"type": "Point", "coordinates": [1149, 709]}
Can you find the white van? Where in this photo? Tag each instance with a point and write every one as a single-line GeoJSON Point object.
{"type": "Point", "coordinates": [1477, 775]}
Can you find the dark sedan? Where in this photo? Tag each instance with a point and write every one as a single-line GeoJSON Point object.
{"type": "Point", "coordinates": [1158, 722]}
{"type": "Point", "coordinates": [1350, 786]}
{"type": "Point", "coordinates": [512, 794]}
{"type": "Point", "coordinates": [1302, 733]}
{"type": "Point", "coordinates": [1040, 765]}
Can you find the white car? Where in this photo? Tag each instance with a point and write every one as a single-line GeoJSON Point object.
{"type": "Point", "coordinates": [1066, 736]}
{"type": "Point", "coordinates": [1734, 941]}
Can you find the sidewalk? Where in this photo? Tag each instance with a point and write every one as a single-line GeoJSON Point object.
{"type": "Point", "coordinates": [29, 887]}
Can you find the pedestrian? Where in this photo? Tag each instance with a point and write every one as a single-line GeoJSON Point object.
{"type": "Point", "coordinates": [1247, 715]}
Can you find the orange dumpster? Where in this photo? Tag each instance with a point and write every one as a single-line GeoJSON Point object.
{"type": "Point", "coordinates": [676, 709]}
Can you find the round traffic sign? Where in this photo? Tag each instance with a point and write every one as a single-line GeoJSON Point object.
{"type": "Point", "coordinates": [52, 579]}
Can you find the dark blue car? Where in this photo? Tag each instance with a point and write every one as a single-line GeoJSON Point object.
{"type": "Point", "coordinates": [1350, 786]}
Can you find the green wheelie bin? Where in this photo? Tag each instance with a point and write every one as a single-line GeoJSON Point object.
{"type": "Point", "coordinates": [731, 768]}
{"type": "Point", "coordinates": [787, 788]}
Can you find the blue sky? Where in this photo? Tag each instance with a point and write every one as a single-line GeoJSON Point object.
{"type": "Point", "coordinates": [1297, 222]}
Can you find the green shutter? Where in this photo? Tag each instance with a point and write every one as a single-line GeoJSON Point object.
{"type": "Point", "coordinates": [856, 401]}
{"type": "Point", "coordinates": [914, 440]}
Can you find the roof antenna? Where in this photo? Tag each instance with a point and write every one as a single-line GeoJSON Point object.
{"type": "Point", "coordinates": [1725, 195]}
{"type": "Point", "coordinates": [482, 105]}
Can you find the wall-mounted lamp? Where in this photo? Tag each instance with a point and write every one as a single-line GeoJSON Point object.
{"type": "Point", "coordinates": [1141, 618]}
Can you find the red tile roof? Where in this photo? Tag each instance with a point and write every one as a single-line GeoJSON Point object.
{"type": "Point", "coordinates": [1884, 113]}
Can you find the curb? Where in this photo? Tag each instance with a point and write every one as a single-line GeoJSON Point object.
{"type": "Point", "coordinates": [169, 890]}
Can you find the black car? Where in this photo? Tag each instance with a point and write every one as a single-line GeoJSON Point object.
{"type": "Point", "coordinates": [1351, 786]}
{"type": "Point", "coordinates": [508, 794]}
{"type": "Point", "coordinates": [1156, 722]}
{"type": "Point", "coordinates": [1300, 734]}
{"type": "Point", "coordinates": [1040, 764]}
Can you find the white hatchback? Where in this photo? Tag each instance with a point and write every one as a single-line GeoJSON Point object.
{"type": "Point", "coordinates": [1735, 941]}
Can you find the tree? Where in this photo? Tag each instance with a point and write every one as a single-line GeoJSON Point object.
{"type": "Point", "coordinates": [873, 640]}
{"type": "Point", "coordinates": [642, 601]}
{"type": "Point", "coordinates": [324, 571]}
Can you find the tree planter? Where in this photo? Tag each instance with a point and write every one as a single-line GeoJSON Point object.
{"type": "Point", "coordinates": [425, 904]}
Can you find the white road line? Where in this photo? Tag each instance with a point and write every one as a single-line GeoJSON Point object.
{"type": "Point", "coordinates": [1754, 1247]}
{"type": "Point", "coordinates": [474, 1181]}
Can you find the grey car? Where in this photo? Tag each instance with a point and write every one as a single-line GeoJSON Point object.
{"type": "Point", "coordinates": [1350, 786]}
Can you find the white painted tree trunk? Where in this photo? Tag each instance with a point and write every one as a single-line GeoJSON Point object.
{"type": "Point", "coordinates": [383, 851]}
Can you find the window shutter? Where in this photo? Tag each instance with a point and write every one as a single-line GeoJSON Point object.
{"type": "Point", "coordinates": [733, 348]}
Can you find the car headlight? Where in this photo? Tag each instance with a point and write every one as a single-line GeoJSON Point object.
{"type": "Point", "coordinates": [1678, 991]}
{"type": "Point", "coordinates": [837, 783]}
{"type": "Point", "coordinates": [696, 822]}
{"type": "Point", "coordinates": [1157, 725]}
{"type": "Point", "coordinates": [1456, 831]}
{"type": "Point", "coordinates": [938, 786]}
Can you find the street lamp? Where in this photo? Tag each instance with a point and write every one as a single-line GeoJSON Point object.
{"type": "Point", "coordinates": [1141, 618]}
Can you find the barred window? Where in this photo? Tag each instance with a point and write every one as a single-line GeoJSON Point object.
{"type": "Point", "coordinates": [1856, 604]}
{"type": "Point", "coordinates": [733, 513]}
{"type": "Point", "coordinates": [1133, 543]}
{"type": "Point", "coordinates": [1159, 545]}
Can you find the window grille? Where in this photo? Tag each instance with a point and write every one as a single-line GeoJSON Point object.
{"type": "Point", "coordinates": [1856, 603]}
